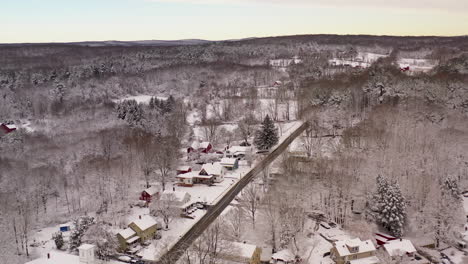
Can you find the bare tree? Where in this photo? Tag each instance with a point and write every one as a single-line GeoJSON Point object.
{"type": "Point", "coordinates": [210, 128]}
{"type": "Point", "coordinates": [166, 155]}
{"type": "Point", "coordinates": [250, 201]}
{"type": "Point", "coordinates": [166, 207]}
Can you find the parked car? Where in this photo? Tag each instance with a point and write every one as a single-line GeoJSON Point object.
{"type": "Point", "coordinates": [125, 259]}
{"type": "Point", "coordinates": [326, 254]}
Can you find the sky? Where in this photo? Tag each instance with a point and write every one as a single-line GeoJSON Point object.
{"type": "Point", "coordinates": [96, 20]}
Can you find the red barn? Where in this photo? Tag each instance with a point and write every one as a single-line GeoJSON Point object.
{"type": "Point", "coordinates": [183, 170]}
{"type": "Point", "coordinates": [203, 147]}
{"type": "Point", "coordinates": [5, 129]}
{"type": "Point", "coordinates": [149, 193]}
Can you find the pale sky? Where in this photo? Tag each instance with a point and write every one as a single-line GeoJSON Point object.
{"type": "Point", "coordinates": [88, 20]}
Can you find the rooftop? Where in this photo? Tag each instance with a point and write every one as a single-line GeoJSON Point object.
{"type": "Point", "coordinates": [126, 233]}
{"type": "Point", "coordinates": [364, 246]}
{"type": "Point", "coordinates": [399, 247]}
{"type": "Point", "coordinates": [145, 222]}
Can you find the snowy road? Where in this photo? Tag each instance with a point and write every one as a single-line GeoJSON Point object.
{"type": "Point", "coordinates": [177, 250]}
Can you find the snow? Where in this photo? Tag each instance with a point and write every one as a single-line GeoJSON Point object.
{"type": "Point", "coordinates": [86, 247]}
{"type": "Point", "coordinates": [180, 196]}
{"type": "Point", "coordinates": [228, 161]}
{"type": "Point", "coordinates": [399, 247]}
{"type": "Point", "coordinates": [141, 99]}
{"type": "Point", "coordinates": [245, 250]}
{"type": "Point", "coordinates": [59, 257]}
{"type": "Point", "coordinates": [126, 233]}
{"type": "Point", "coordinates": [364, 246]}
{"type": "Point", "coordinates": [284, 255]}
{"type": "Point", "coordinates": [368, 260]}
{"type": "Point", "coordinates": [213, 168]}
{"type": "Point", "coordinates": [145, 222]}
{"type": "Point", "coordinates": [456, 256]}
{"type": "Point", "coordinates": [152, 190]}
{"type": "Point", "coordinates": [183, 168]}
{"type": "Point", "coordinates": [56, 257]}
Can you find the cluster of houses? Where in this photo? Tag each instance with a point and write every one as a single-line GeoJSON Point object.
{"type": "Point", "coordinates": [355, 251]}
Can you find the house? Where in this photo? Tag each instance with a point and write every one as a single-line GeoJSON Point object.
{"type": "Point", "coordinates": [284, 256]}
{"type": "Point", "coordinates": [85, 256]}
{"type": "Point", "coordinates": [230, 163]}
{"type": "Point", "coordinates": [237, 151]}
{"type": "Point", "coordinates": [194, 177]}
{"type": "Point", "coordinates": [127, 237]}
{"type": "Point", "coordinates": [382, 238]}
{"type": "Point", "coordinates": [177, 198]}
{"type": "Point", "coordinates": [213, 169]}
{"type": "Point", "coordinates": [235, 252]}
{"type": "Point", "coordinates": [352, 250]}
{"type": "Point", "coordinates": [399, 247]}
{"type": "Point", "coordinates": [202, 147]}
{"type": "Point", "coordinates": [5, 129]}
{"type": "Point", "coordinates": [145, 227]}
{"type": "Point", "coordinates": [183, 170]}
{"type": "Point", "coordinates": [149, 193]}
{"type": "Point", "coordinates": [186, 179]}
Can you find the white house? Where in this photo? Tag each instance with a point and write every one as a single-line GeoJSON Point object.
{"type": "Point", "coordinates": [229, 163]}
{"type": "Point", "coordinates": [237, 151]}
{"type": "Point", "coordinates": [215, 169]}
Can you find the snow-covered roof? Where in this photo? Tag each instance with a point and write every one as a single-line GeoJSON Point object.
{"type": "Point", "coordinates": [364, 246]}
{"type": "Point", "coordinates": [11, 126]}
{"type": "Point", "coordinates": [213, 168]}
{"type": "Point", "coordinates": [284, 255]}
{"type": "Point", "coordinates": [179, 196]}
{"type": "Point", "coordinates": [228, 161]}
{"type": "Point", "coordinates": [368, 260]}
{"type": "Point", "coordinates": [183, 168]}
{"type": "Point", "coordinates": [200, 145]}
{"type": "Point", "coordinates": [152, 190]}
{"type": "Point", "coordinates": [126, 233]}
{"type": "Point", "coordinates": [238, 149]}
{"type": "Point", "coordinates": [86, 247]}
{"type": "Point", "coordinates": [188, 175]}
{"type": "Point", "coordinates": [133, 239]}
{"type": "Point", "coordinates": [399, 247]}
{"type": "Point", "coordinates": [145, 222]}
{"type": "Point", "coordinates": [245, 250]}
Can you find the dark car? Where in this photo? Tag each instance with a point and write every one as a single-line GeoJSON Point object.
{"type": "Point", "coordinates": [326, 254]}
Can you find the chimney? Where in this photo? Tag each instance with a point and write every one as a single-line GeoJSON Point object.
{"type": "Point", "coordinates": [401, 239]}
{"type": "Point", "coordinates": [139, 216]}
{"type": "Point", "coordinates": [48, 255]}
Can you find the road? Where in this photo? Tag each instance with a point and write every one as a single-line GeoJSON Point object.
{"type": "Point", "coordinates": [213, 212]}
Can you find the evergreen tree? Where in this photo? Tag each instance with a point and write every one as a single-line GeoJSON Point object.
{"type": "Point", "coordinates": [80, 226]}
{"type": "Point", "coordinates": [130, 111]}
{"type": "Point", "coordinates": [267, 136]}
{"type": "Point", "coordinates": [58, 239]}
{"type": "Point", "coordinates": [390, 206]}
{"type": "Point", "coordinates": [450, 188]}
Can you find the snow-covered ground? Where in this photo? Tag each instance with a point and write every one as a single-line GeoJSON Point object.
{"type": "Point", "coordinates": [141, 99]}
{"type": "Point", "coordinates": [364, 60]}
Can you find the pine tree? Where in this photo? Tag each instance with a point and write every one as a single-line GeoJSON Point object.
{"type": "Point", "coordinates": [267, 136]}
{"type": "Point", "coordinates": [80, 226]}
{"type": "Point", "coordinates": [389, 206]}
{"type": "Point", "coordinates": [58, 239]}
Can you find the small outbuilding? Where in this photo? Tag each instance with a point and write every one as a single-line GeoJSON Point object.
{"type": "Point", "coordinates": [183, 170]}
{"type": "Point", "coordinates": [149, 193]}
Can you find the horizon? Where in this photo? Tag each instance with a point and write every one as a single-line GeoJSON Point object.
{"type": "Point", "coordinates": [52, 21]}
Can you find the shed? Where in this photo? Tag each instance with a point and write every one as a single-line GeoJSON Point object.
{"type": "Point", "coordinates": [149, 193]}
{"type": "Point", "coordinates": [183, 170]}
